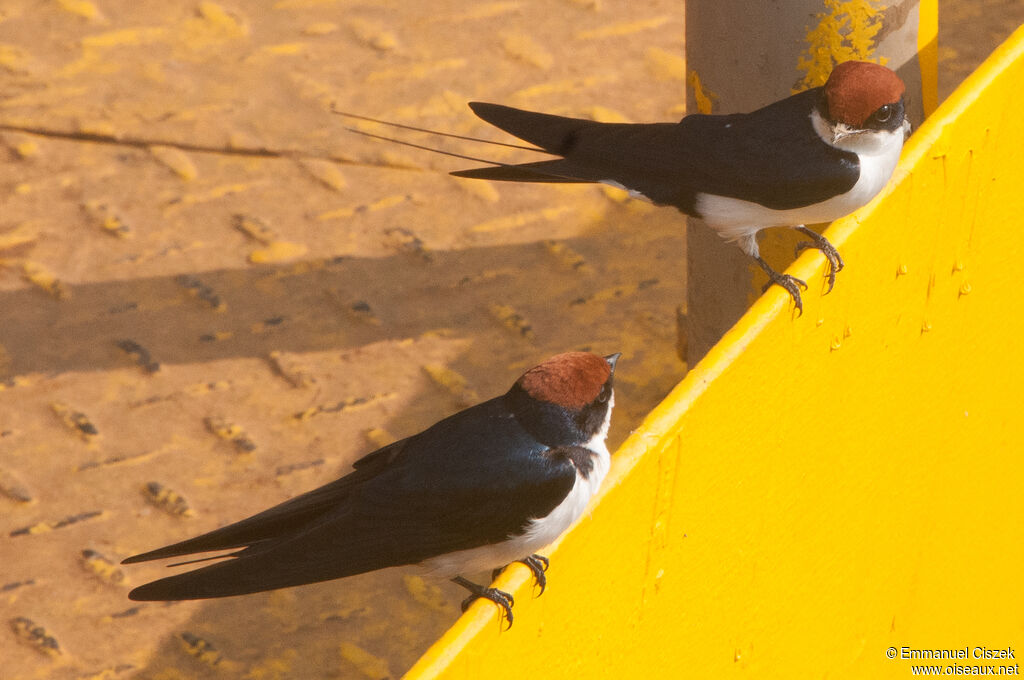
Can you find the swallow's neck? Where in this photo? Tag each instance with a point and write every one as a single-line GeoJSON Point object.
{"type": "Point", "coordinates": [863, 142]}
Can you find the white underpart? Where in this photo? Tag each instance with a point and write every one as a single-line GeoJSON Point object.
{"type": "Point", "coordinates": [541, 531]}
{"type": "Point", "coordinates": [737, 220]}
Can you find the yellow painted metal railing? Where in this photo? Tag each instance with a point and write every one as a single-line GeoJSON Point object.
{"type": "Point", "coordinates": [821, 489]}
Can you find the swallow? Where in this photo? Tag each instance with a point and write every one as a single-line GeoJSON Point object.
{"type": "Point", "coordinates": [812, 157]}
{"type": "Point", "coordinates": [476, 491]}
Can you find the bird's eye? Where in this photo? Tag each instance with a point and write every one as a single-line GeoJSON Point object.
{"type": "Point", "coordinates": [606, 394]}
{"type": "Point", "coordinates": [883, 114]}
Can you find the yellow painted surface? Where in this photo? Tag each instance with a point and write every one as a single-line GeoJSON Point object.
{"type": "Point", "coordinates": [846, 30]}
{"type": "Point", "coordinates": [822, 488]}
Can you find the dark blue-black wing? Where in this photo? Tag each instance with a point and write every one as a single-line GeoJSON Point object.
{"type": "Point", "coordinates": [281, 520]}
{"type": "Point", "coordinates": [470, 480]}
{"type": "Point", "coordinates": [771, 156]}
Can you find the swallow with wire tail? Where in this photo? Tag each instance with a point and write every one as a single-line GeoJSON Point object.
{"type": "Point", "coordinates": [476, 491]}
{"type": "Point", "coordinates": [812, 157]}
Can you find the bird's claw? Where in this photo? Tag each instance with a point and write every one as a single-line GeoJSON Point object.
{"type": "Point", "coordinates": [498, 597]}
{"type": "Point", "coordinates": [819, 242]}
{"type": "Point", "coordinates": [789, 283]}
{"type": "Point", "coordinates": [792, 285]}
{"type": "Point", "coordinates": [538, 564]}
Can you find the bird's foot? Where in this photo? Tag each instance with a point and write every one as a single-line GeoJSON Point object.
{"type": "Point", "coordinates": [498, 597]}
{"type": "Point", "coordinates": [819, 242]}
{"type": "Point", "coordinates": [791, 284]}
{"type": "Point", "coordinates": [537, 564]}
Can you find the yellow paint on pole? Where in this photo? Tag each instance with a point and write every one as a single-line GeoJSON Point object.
{"type": "Point", "coordinates": [845, 31]}
{"type": "Point", "coordinates": [824, 494]}
{"type": "Point", "coordinates": [702, 96]}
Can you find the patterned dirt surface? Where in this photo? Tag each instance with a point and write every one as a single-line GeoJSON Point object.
{"type": "Point", "coordinates": [244, 298]}
{"type": "Point", "coordinates": [237, 327]}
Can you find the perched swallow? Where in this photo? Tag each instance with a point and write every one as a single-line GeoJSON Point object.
{"type": "Point", "coordinates": [812, 157]}
{"type": "Point", "coordinates": [476, 491]}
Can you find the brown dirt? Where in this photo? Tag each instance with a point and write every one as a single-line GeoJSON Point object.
{"type": "Point", "coordinates": [365, 278]}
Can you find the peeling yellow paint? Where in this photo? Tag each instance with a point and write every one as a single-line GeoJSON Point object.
{"type": "Point", "coordinates": [846, 30]}
{"type": "Point", "coordinates": [703, 97]}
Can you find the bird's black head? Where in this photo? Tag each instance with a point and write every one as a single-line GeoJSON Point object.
{"type": "Point", "coordinates": [565, 400]}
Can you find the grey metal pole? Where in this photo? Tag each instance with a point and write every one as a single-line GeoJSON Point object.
{"type": "Point", "coordinates": [742, 55]}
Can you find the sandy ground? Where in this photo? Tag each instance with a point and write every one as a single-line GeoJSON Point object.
{"type": "Point", "coordinates": [237, 328]}
{"type": "Point", "coordinates": [188, 336]}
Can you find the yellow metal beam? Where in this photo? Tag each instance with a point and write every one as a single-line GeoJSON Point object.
{"type": "Point", "coordinates": [820, 489]}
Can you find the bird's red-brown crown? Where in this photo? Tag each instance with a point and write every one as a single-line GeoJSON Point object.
{"type": "Point", "coordinates": [571, 380]}
{"type": "Point", "coordinates": [856, 89]}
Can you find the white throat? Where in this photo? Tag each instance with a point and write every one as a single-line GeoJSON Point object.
{"type": "Point", "coordinates": [540, 531]}
{"type": "Point", "coordinates": [860, 141]}
{"type": "Point", "coordinates": [877, 151]}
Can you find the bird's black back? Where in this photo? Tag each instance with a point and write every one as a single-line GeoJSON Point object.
{"type": "Point", "coordinates": [472, 479]}
{"type": "Point", "coordinates": [771, 156]}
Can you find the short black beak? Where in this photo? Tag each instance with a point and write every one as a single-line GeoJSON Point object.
{"type": "Point", "coordinates": [612, 359]}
